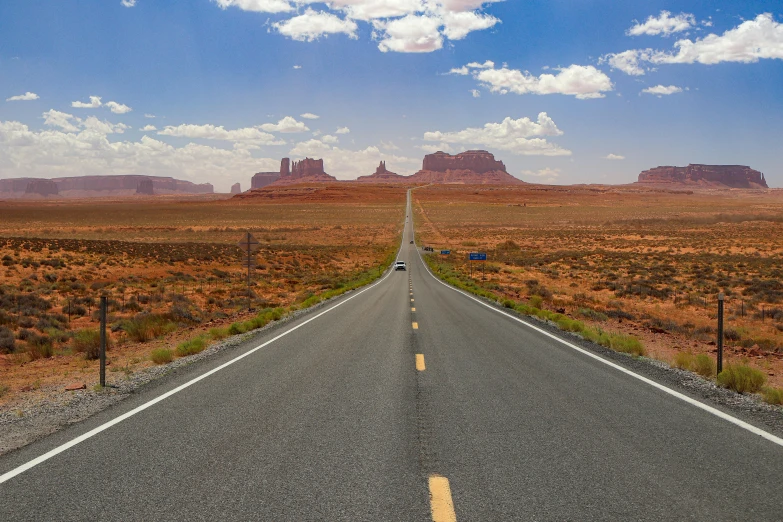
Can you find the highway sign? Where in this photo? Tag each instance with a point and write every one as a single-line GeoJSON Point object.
{"type": "Point", "coordinates": [445, 252]}
{"type": "Point", "coordinates": [249, 243]}
{"type": "Point", "coordinates": [478, 256]}
{"type": "Point", "coordinates": [249, 262]}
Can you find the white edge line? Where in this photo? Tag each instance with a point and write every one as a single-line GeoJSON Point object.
{"type": "Point", "coordinates": [81, 438]}
{"type": "Point", "coordinates": [725, 416]}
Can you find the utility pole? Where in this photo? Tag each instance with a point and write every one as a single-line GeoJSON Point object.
{"type": "Point", "coordinates": [103, 341]}
{"type": "Point", "coordinates": [248, 244]}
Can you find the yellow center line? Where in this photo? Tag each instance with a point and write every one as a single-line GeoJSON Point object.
{"type": "Point", "coordinates": [413, 309]}
{"type": "Point", "coordinates": [420, 362]}
{"type": "Point", "coordinates": [411, 299]}
{"type": "Point", "coordinates": [415, 325]}
{"type": "Point", "coordinates": [441, 505]}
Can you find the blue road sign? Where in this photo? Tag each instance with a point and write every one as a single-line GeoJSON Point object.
{"type": "Point", "coordinates": [478, 256]}
{"type": "Point", "coordinates": [445, 252]}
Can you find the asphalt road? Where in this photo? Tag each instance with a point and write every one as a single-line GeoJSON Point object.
{"type": "Point", "coordinates": [408, 401]}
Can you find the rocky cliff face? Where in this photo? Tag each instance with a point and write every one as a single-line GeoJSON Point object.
{"type": "Point", "coordinates": [42, 187]}
{"type": "Point", "coordinates": [733, 176]}
{"type": "Point", "coordinates": [472, 167]}
{"type": "Point", "coordinates": [236, 188]}
{"type": "Point", "coordinates": [146, 187]}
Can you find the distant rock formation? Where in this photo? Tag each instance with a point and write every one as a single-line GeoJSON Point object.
{"type": "Point", "coordinates": [42, 187]}
{"type": "Point", "coordinates": [382, 175]}
{"type": "Point", "coordinates": [733, 176]}
{"type": "Point", "coordinates": [262, 179]}
{"type": "Point", "coordinates": [308, 170]}
{"type": "Point", "coordinates": [145, 186]}
{"type": "Point", "coordinates": [236, 188]}
{"type": "Point", "coordinates": [471, 167]}
{"type": "Point", "coordinates": [99, 186]}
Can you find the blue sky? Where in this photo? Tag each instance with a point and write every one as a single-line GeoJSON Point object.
{"type": "Point", "coordinates": [553, 88]}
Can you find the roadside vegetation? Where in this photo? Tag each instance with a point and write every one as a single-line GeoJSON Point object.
{"type": "Point", "coordinates": [177, 284]}
{"type": "Point", "coordinates": [641, 264]}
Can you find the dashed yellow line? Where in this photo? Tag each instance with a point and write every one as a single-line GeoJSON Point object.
{"type": "Point", "coordinates": [411, 299]}
{"type": "Point", "coordinates": [413, 309]}
{"type": "Point", "coordinates": [415, 325]}
{"type": "Point", "coordinates": [441, 505]}
{"type": "Point", "coordinates": [420, 362]}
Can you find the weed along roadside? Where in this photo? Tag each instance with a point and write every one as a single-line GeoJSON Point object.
{"type": "Point", "coordinates": [737, 377]}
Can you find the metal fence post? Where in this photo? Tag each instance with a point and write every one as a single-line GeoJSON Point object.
{"type": "Point", "coordinates": [720, 332]}
{"type": "Point", "coordinates": [103, 340]}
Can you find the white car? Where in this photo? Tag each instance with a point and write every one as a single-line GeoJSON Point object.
{"type": "Point", "coordinates": [399, 265]}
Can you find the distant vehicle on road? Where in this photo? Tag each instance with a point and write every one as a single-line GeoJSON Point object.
{"type": "Point", "coordinates": [411, 242]}
{"type": "Point", "coordinates": [399, 265]}
{"type": "Point", "coordinates": [428, 249]}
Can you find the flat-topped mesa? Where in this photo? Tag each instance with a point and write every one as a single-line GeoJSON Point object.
{"type": "Point", "coordinates": [236, 188]}
{"type": "Point", "coordinates": [478, 161]}
{"type": "Point", "coordinates": [42, 187]}
{"type": "Point", "coordinates": [474, 167]}
{"type": "Point", "coordinates": [733, 176]}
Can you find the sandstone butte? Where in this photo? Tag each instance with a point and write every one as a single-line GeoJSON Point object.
{"type": "Point", "coordinates": [306, 171]}
{"type": "Point", "coordinates": [473, 167]}
{"type": "Point", "coordinates": [99, 186]}
{"type": "Point", "coordinates": [236, 188]}
{"type": "Point", "coordinates": [707, 176]}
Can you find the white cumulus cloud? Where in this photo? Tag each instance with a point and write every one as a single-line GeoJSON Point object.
{"type": "Point", "coordinates": [662, 90]}
{"type": "Point", "coordinates": [664, 24]}
{"type": "Point", "coordinates": [286, 125]}
{"type": "Point", "coordinates": [128, 3]}
{"type": "Point", "coordinates": [749, 42]}
{"type": "Point", "coordinates": [118, 108]}
{"type": "Point", "coordinates": [312, 25]}
{"type": "Point", "coordinates": [94, 103]}
{"type": "Point", "coordinates": [260, 6]}
{"type": "Point", "coordinates": [343, 130]}
{"type": "Point", "coordinates": [65, 121]}
{"type": "Point", "coordinates": [545, 175]}
{"type": "Point", "coordinates": [397, 25]}
{"type": "Point", "coordinates": [28, 96]}
{"type": "Point", "coordinates": [212, 132]}
{"type": "Point", "coordinates": [49, 153]}
{"type": "Point", "coordinates": [148, 128]}
{"type": "Point", "coordinates": [581, 81]}
{"type": "Point", "coordinates": [328, 138]}
{"type": "Point", "coordinates": [614, 157]}
{"type": "Point", "coordinates": [476, 93]}
{"type": "Point", "coordinates": [309, 116]}
{"type": "Point", "coordinates": [516, 136]}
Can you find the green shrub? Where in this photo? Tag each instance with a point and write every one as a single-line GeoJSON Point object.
{"type": "Point", "coordinates": [627, 344]}
{"type": "Point", "coordinates": [771, 395]}
{"type": "Point", "coordinates": [593, 314]}
{"type": "Point", "coordinates": [88, 342]}
{"type": "Point", "coordinates": [3, 389]}
{"type": "Point", "coordinates": [192, 346]}
{"type": "Point", "coordinates": [570, 325]}
{"type": "Point", "coordinates": [535, 301]}
{"type": "Point", "coordinates": [40, 347]}
{"type": "Point", "coordinates": [704, 365]}
{"type": "Point", "coordinates": [143, 328]}
{"type": "Point", "coordinates": [236, 328]}
{"type": "Point", "coordinates": [683, 360]}
{"type": "Point", "coordinates": [218, 333]}
{"type": "Point", "coordinates": [161, 356]}
{"type": "Point", "coordinates": [741, 378]}
{"type": "Point", "coordinates": [508, 303]}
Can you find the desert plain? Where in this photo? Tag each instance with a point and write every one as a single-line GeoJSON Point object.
{"type": "Point", "coordinates": [645, 263]}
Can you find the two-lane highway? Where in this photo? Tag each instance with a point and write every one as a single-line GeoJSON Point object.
{"type": "Point", "coordinates": [404, 401]}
